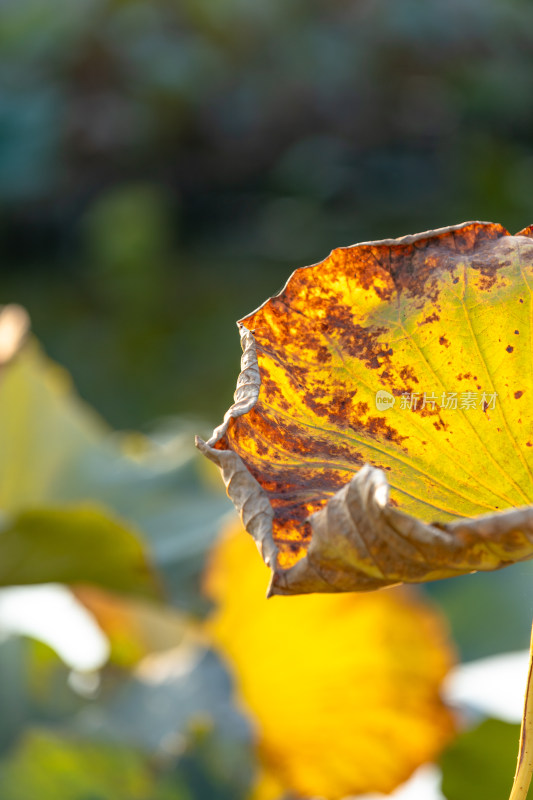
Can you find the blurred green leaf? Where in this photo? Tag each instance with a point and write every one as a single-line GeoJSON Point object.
{"type": "Point", "coordinates": [170, 696]}
{"type": "Point", "coordinates": [44, 431]}
{"type": "Point", "coordinates": [180, 702]}
{"type": "Point", "coordinates": [480, 764]}
{"type": "Point", "coordinates": [217, 767]}
{"type": "Point", "coordinates": [504, 624]}
{"type": "Point", "coordinates": [81, 545]}
{"type": "Point", "coordinates": [55, 450]}
{"type": "Point", "coordinates": [34, 689]}
{"type": "Point", "coordinates": [51, 768]}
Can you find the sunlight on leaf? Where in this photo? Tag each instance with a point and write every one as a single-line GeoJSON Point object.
{"type": "Point", "coordinates": [14, 323]}
{"type": "Point", "coordinates": [52, 614]}
{"type": "Point", "coordinates": [412, 356]}
{"type": "Point", "coordinates": [344, 689]}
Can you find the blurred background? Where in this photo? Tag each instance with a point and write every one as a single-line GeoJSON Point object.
{"type": "Point", "coordinates": [164, 166]}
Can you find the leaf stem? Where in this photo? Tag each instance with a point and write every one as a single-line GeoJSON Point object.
{"type": "Point", "coordinates": [524, 768]}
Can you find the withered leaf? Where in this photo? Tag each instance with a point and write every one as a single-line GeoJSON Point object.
{"type": "Point", "coordinates": [411, 357]}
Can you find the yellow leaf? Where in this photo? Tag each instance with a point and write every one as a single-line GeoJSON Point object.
{"type": "Point", "coordinates": [411, 356]}
{"type": "Point", "coordinates": [344, 689]}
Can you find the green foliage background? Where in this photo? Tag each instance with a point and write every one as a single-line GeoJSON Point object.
{"type": "Point", "coordinates": [165, 164]}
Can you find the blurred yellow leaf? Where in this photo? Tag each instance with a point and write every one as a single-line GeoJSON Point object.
{"type": "Point", "coordinates": [344, 688]}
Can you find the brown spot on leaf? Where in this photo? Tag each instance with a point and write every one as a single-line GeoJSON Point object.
{"type": "Point", "coordinates": [378, 426]}
{"type": "Point", "coordinates": [434, 317]}
{"type": "Point", "coordinates": [486, 283]}
{"type": "Point", "coordinates": [407, 373]}
{"type": "Point", "coordinates": [509, 348]}
{"type": "Point", "coordinates": [440, 426]}
{"type": "Point", "coordinates": [518, 395]}
{"type": "Point", "coordinates": [323, 355]}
